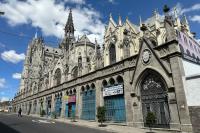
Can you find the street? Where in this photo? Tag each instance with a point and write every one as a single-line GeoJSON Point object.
{"type": "Point", "coordinates": [10, 123]}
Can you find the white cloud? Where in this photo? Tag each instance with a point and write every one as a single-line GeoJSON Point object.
{"type": "Point", "coordinates": [12, 56]}
{"type": "Point", "coordinates": [2, 82]}
{"type": "Point", "coordinates": [16, 75]}
{"type": "Point", "coordinates": [51, 16]}
{"type": "Point", "coordinates": [75, 1]}
{"type": "Point", "coordinates": [2, 99]}
{"type": "Point", "coordinates": [195, 18]}
{"type": "Point", "coordinates": [192, 8]}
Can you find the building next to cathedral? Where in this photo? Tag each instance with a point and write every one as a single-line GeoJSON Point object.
{"type": "Point", "coordinates": [139, 69]}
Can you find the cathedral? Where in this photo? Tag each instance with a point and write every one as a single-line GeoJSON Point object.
{"type": "Point", "coordinates": [138, 69]}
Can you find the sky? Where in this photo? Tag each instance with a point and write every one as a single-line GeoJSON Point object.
{"type": "Point", "coordinates": [23, 18]}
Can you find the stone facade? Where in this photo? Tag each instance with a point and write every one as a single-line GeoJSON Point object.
{"type": "Point", "coordinates": [138, 70]}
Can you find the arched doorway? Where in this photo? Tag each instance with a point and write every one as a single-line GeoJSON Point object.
{"type": "Point", "coordinates": [88, 102]}
{"type": "Point", "coordinates": [154, 99]}
{"type": "Point", "coordinates": [114, 101]}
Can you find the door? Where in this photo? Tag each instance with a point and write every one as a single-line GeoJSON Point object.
{"type": "Point", "coordinates": [66, 110]}
{"type": "Point", "coordinates": [88, 105]}
{"type": "Point", "coordinates": [115, 108]}
{"type": "Point", "coordinates": [155, 99]}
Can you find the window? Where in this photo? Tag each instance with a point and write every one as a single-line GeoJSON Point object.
{"type": "Point", "coordinates": [112, 52]}
{"type": "Point", "coordinates": [75, 72]}
{"type": "Point", "coordinates": [57, 76]}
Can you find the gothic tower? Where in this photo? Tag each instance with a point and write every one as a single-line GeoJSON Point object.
{"type": "Point", "coordinates": [69, 33]}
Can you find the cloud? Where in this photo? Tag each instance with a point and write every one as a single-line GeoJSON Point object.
{"type": "Point", "coordinates": [2, 82]}
{"type": "Point", "coordinates": [75, 1]}
{"type": "Point", "coordinates": [195, 18]}
{"type": "Point", "coordinates": [16, 75]}
{"type": "Point", "coordinates": [12, 56]}
{"type": "Point", "coordinates": [111, 1]}
{"type": "Point", "coordinates": [195, 7]}
{"type": "Point", "coordinates": [2, 99]}
{"type": "Point", "coordinates": [51, 16]}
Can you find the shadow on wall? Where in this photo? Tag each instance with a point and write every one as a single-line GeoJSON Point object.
{"type": "Point", "coordinates": [6, 129]}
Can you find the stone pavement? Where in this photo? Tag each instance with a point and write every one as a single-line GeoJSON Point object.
{"type": "Point", "coordinates": [109, 127]}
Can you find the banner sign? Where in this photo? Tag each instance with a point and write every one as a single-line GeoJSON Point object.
{"type": "Point", "coordinates": [190, 48]}
{"type": "Point", "coordinates": [113, 90]}
{"type": "Point", "coordinates": [72, 99]}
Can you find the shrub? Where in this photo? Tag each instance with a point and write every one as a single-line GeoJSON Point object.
{"type": "Point", "coordinates": [101, 110]}
{"type": "Point", "coordinates": [150, 119]}
{"type": "Point", "coordinates": [53, 115]}
{"type": "Point", "coordinates": [42, 113]}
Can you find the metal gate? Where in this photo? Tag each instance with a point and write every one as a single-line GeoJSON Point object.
{"type": "Point", "coordinates": [88, 105]}
{"type": "Point", "coordinates": [115, 108]}
{"type": "Point", "coordinates": [155, 99]}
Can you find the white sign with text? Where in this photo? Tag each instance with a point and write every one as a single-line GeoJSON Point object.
{"type": "Point", "coordinates": [113, 90]}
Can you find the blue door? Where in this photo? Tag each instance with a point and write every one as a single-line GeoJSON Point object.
{"type": "Point", "coordinates": [58, 107]}
{"type": "Point", "coordinates": [66, 110]}
{"type": "Point", "coordinates": [115, 108]}
{"type": "Point", "coordinates": [88, 105]}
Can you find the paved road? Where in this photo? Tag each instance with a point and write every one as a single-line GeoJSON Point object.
{"type": "Point", "coordinates": [10, 123]}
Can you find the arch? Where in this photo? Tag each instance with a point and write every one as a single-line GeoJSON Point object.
{"type": "Point", "coordinates": [67, 93]}
{"type": "Point", "coordinates": [111, 81]}
{"type": "Point", "coordinates": [154, 98]}
{"type": "Point", "coordinates": [75, 72]}
{"type": "Point", "coordinates": [57, 76]}
{"type": "Point", "coordinates": [82, 88]}
{"type": "Point", "coordinates": [87, 87]}
{"type": "Point", "coordinates": [74, 91]}
{"type": "Point", "coordinates": [120, 79]}
{"type": "Point", "coordinates": [112, 53]}
{"type": "Point", "coordinates": [70, 92]}
{"type": "Point", "coordinates": [104, 83]}
{"type": "Point", "coordinates": [92, 86]}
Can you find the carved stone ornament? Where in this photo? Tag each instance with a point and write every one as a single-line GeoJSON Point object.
{"type": "Point", "coordinates": [146, 55]}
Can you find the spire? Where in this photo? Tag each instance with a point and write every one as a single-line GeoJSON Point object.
{"type": "Point", "coordinates": [175, 12]}
{"type": "Point", "coordinates": [140, 21]}
{"type": "Point", "coordinates": [185, 21]}
{"type": "Point", "coordinates": [36, 36]}
{"type": "Point", "coordinates": [96, 45]}
{"type": "Point", "coordinates": [120, 21]}
{"type": "Point", "coordinates": [155, 13]}
{"type": "Point", "coordinates": [69, 27]}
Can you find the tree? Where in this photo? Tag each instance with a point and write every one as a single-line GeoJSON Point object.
{"type": "Point", "coordinates": [150, 119]}
{"type": "Point", "coordinates": [42, 113]}
{"type": "Point", "coordinates": [101, 110]}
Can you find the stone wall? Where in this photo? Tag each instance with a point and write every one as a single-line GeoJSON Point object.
{"type": "Point", "coordinates": [195, 118]}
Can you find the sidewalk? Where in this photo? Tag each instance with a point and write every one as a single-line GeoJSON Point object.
{"type": "Point", "coordinates": [109, 127]}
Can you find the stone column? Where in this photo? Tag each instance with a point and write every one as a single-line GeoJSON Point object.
{"type": "Point", "coordinates": [63, 105]}
{"type": "Point", "coordinates": [53, 103]}
{"type": "Point", "coordinates": [174, 116]}
{"type": "Point", "coordinates": [179, 80]}
{"type": "Point", "coordinates": [128, 98]}
{"type": "Point", "coordinates": [99, 95]}
{"type": "Point", "coordinates": [78, 102]}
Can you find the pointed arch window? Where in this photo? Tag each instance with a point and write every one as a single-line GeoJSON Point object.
{"type": "Point", "coordinates": [57, 76]}
{"type": "Point", "coordinates": [75, 72]}
{"type": "Point", "coordinates": [112, 52]}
